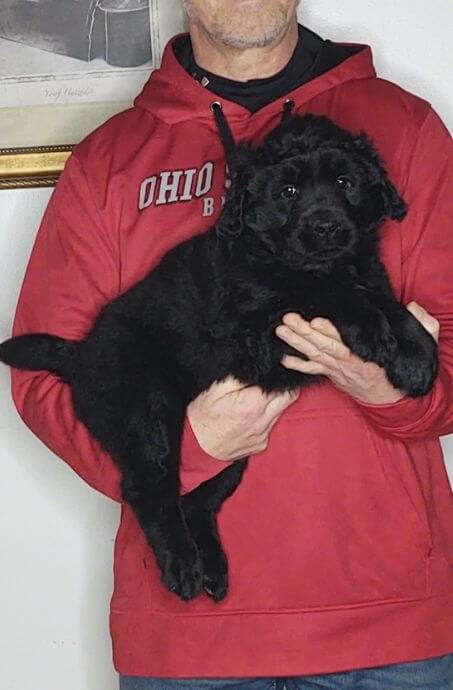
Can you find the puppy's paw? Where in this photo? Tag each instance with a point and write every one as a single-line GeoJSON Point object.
{"type": "Point", "coordinates": [202, 523]}
{"type": "Point", "coordinates": [182, 571]}
{"type": "Point", "coordinates": [414, 374]}
{"type": "Point", "coordinates": [215, 572]}
{"type": "Point", "coordinates": [371, 340]}
{"type": "Point", "coordinates": [414, 366]}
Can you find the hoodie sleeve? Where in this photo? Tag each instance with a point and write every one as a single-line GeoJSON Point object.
{"type": "Point", "coordinates": [427, 263]}
{"type": "Point", "coordinates": [197, 466]}
{"type": "Point", "coordinates": [74, 269]}
{"type": "Point", "coordinates": [72, 272]}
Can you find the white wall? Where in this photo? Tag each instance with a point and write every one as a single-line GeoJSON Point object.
{"type": "Point", "coordinates": [411, 41]}
{"type": "Point", "coordinates": [56, 534]}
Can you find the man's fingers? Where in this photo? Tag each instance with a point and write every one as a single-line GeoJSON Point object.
{"type": "Point", "coordinates": [305, 367]}
{"type": "Point", "coordinates": [326, 327]}
{"type": "Point", "coordinates": [299, 342]}
{"type": "Point", "coordinates": [430, 323]}
{"type": "Point", "coordinates": [316, 343]}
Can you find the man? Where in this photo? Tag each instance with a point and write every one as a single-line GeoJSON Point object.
{"type": "Point", "coordinates": [339, 538]}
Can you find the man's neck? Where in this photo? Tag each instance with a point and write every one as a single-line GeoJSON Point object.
{"type": "Point", "coordinates": [242, 65]}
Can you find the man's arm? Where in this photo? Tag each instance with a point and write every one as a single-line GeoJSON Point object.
{"type": "Point", "coordinates": [72, 272]}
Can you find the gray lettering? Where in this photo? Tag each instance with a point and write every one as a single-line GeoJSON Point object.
{"type": "Point", "coordinates": [147, 189]}
{"type": "Point", "coordinates": [204, 181]}
{"type": "Point", "coordinates": [186, 194]}
{"type": "Point", "coordinates": [168, 191]}
{"type": "Point", "coordinates": [208, 206]}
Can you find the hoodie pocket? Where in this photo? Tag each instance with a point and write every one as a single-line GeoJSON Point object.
{"type": "Point", "coordinates": [323, 519]}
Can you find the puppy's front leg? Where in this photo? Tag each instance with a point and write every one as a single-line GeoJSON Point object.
{"type": "Point", "coordinates": [382, 330]}
{"type": "Point", "coordinates": [364, 328]}
{"type": "Point", "coordinates": [150, 464]}
{"type": "Point", "coordinates": [413, 369]}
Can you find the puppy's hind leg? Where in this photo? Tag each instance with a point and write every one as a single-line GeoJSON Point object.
{"type": "Point", "coordinates": [150, 464]}
{"type": "Point", "coordinates": [200, 508]}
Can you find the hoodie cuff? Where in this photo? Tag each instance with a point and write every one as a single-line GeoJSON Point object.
{"type": "Point", "coordinates": [197, 466]}
{"type": "Point", "coordinates": [399, 416]}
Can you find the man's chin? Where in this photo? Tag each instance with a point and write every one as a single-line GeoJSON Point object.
{"type": "Point", "coordinates": [251, 24]}
{"type": "Point", "coordinates": [248, 36]}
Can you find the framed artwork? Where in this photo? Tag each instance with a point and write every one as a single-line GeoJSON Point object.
{"type": "Point", "coordinates": [65, 67]}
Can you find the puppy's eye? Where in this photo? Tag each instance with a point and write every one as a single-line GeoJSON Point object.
{"type": "Point", "coordinates": [288, 192]}
{"type": "Point", "coordinates": [344, 182]}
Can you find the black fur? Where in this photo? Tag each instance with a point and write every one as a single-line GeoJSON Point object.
{"type": "Point", "coordinates": [299, 232]}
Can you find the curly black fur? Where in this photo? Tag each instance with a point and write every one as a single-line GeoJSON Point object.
{"type": "Point", "coordinates": [298, 232]}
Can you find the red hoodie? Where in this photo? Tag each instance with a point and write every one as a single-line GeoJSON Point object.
{"type": "Point", "coordinates": [340, 536]}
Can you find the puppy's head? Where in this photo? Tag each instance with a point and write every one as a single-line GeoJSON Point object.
{"type": "Point", "coordinates": [309, 195]}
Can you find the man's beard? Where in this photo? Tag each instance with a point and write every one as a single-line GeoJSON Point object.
{"type": "Point", "coordinates": [238, 34]}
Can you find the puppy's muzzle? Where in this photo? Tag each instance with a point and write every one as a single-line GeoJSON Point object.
{"type": "Point", "coordinates": [326, 235]}
{"type": "Point", "coordinates": [326, 228]}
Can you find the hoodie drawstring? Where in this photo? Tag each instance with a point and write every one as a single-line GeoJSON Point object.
{"type": "Point", "coordinates": [226, 136]}
{"type": "Point", "coordinates": [287, 109]}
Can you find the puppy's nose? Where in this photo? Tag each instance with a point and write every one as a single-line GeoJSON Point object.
{"type": "Point", "coordinates": [326, 227]}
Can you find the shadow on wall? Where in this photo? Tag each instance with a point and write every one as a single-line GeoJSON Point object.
{"type": "Point", "coordinates": [119, 31]}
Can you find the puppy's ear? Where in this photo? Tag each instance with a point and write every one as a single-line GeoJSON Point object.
{"type": "Point", "coordinates": [394, 206]}
{"type": "Point", "coordinates": [232, 219]}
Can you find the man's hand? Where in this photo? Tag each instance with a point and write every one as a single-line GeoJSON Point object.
{"type": "Point", "coordinates": [231, 420]}
{"type": "Point", "coordinates": [320, 341]}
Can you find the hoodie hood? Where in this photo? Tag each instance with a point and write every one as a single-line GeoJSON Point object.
{"type": "Point", "coordinates": [173, 96]}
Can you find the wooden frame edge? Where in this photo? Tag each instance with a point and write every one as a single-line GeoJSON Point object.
{"type": "Point", "coordinates": [37, 166]}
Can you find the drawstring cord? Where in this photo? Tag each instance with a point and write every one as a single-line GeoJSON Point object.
{"type": "Point", "coordinates": [226, 136]}
{"type": "Point", "coordinates": [287, 109]}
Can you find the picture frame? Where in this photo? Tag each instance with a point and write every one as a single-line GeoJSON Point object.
{"type": "Point", "coordinates": [36, 166]}
{"type": "Point", "coordinates": [61, 78]}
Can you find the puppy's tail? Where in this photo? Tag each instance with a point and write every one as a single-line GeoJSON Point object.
{"type": "Point", "coordinates": [39, 351]}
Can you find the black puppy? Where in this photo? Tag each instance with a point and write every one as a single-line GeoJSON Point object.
{"type": "Point", "coordinates": [298, 232]}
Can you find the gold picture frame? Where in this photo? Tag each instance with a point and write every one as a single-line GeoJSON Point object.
{"type": "Point", "coordinates": [38, 166]}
